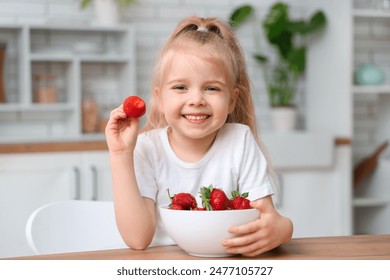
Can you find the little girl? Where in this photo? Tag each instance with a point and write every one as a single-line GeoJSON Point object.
{"type": "Point", "coordinates": [200, 131]}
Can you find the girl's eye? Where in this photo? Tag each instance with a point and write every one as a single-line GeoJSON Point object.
{"type": "Point", "coordinates": [212, 88]}
{"type": "Point", "coordinates": [179, 87]}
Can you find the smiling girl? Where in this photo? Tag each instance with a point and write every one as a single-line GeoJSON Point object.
{"type": "Point", "coordinates": [200, 130]}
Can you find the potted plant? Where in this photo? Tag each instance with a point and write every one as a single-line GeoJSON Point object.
{"type": "Point", "coordinates": [283, 74]}
{"type": "Point", "coordinates": [107, 12]}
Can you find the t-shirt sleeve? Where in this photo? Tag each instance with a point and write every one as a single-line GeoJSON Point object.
{"type": "Point", "coordinates": [144, 169]}
{"type": "Point", "coordinates": [253, 176]}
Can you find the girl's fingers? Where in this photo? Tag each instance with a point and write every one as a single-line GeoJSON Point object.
{"type": "Point", "coordinates": [241, 240]}
{"type": "Point", "coordinates": [246, 228]}
{"type": "Point", "coordinates": [250, 249]}
{"type": "Point", "coordinates": [118, 113]}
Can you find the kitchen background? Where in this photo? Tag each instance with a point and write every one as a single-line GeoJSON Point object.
{"type": "Point", "coordinates": [152, 21]}
{"type": "Point", "coordinates": [59, 63]}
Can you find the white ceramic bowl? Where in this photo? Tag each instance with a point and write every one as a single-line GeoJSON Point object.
{"type": "Point", "coordinates": [200, 233]}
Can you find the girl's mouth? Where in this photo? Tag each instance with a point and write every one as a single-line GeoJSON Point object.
{"type": "Point", "coordinates": [196, 118]}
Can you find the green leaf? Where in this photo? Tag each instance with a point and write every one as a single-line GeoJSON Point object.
{"type": "Point", "coordinates": [121, 3]}
{"type": "Point", "coordinates": [297, 60]}
{"type": "Point", "coordinates": [125, 3]}
{"type": "Point", "coordinates": [317, 21]}
{"type": "Point", "coordinates": [240, 15]}
{"type": "Point", "coordinates": [276, 21]}
{"type": "Point", "coordinates": [85, 3]}
{"type": "Point", "coordinates": [261, 58]}
{"type": "Point", "coordinates": [205, 193]}
{"type": "Point", "coordinates": [284, 43]}
{"type": "Point", "coordinates": [300, 27]}
{"type": "Point", "coordinates": [235, 193]}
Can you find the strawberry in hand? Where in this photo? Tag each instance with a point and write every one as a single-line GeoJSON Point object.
{"type": "Point", "coordinates": [134, 107]}
{"type": "Point", "coordinates": [240, 201]}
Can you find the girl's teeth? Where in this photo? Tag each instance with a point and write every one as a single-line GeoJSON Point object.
{"type": "Point", "coordinates": [195, 118]}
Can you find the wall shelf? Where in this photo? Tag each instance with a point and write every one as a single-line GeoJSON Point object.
{"type": "Point", "coordinates": [369, 202]}
{"type": "Point", "coordinates": [380, 89]}
{"type": "Point", "coordinates": [371, 13]}
{"type": "Point", "coordinates": [97, 62]}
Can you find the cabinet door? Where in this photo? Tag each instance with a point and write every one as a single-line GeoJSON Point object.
{"type": "Point", "coordinates": [27, 181]}
{"type": "Point", "coordinates": [97, 176]}
{"type": "Point", "coordinates": [319, 201]}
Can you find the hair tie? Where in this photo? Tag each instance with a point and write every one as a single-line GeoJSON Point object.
{"type": "Point", "coordinates": [202, 29]}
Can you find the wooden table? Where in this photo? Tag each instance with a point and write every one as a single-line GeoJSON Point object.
{"type": "Point", "coordinates": [363, 247]}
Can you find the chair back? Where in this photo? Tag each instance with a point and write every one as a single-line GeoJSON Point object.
{"type": "Point", "coordinates": [72, 226]}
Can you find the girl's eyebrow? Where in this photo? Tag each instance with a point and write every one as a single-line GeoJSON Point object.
{"type": "Point", "coordinates": [175, 81]}
{"type": "Point", "coordinates": [216, 82]}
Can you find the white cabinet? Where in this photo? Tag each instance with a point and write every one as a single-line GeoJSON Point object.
{"type": "Point", "coordinates": [371, 39]}
{"type": "Point", "coordinates": [318, 200]}
{"type": "Point", "coordinates": [372, 202]}
{"type": "Point", "coordinates": [51, 69]}
{"type": "Point", "coordinates": [96, 176]}
{"type": "Point", "coordinates": [29, 181]}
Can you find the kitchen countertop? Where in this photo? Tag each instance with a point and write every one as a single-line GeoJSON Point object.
{"type": "Point", "coordinates": [356, 247]}
{"type": "Point", "coordinates": [68, 146]}
{"type": "Point", "coordinates": [88, 145]}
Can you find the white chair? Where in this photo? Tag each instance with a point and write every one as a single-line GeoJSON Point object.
{"type": "Point", "coordinates": [71, 226]}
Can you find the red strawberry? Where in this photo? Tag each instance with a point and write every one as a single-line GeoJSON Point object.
{"type": "Point", "coordinates": [134, 107]}
{"type": "Point", "coordinates": [199, 209]}
{"type": "Point", "coordinates": [240, 201]}
{"type": "Point", "coordinates": [186, 200]}
{"type": "Point", "coordinates": [176, 207]}
{"type": "Point", "coordinates": [214, 198]}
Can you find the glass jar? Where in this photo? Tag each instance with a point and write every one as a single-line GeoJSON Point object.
{"type": "Point", "coordinates": [90, 115]}
{"type": "Point", "coordinates": [45, 89]}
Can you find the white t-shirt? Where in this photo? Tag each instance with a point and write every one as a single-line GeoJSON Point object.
{"type": "Point", "coordinates": [234, 162]}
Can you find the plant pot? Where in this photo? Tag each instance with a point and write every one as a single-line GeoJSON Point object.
{"type": "Point", "coordinates": [106, 12]}
{"type": "Point", "coordinates": [284, 118]}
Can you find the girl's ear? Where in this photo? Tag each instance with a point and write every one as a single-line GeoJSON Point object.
{"type": "Point", "coordinates": [233, 100]}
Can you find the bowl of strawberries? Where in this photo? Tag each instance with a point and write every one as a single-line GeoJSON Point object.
{"type": "Point", "coordinates": [200, 229]}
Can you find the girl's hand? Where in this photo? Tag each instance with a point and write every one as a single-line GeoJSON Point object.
{"type": "Point", "coordinates": [262, 235]}
{"type": "Point", "coordinates": [121, 132]}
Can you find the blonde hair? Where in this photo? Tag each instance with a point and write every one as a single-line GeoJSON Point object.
{"type": "Point", "coordinates": [214, 40]}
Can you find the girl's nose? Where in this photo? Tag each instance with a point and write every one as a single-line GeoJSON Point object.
{"type": "Point", "coordinates": [196, 98]}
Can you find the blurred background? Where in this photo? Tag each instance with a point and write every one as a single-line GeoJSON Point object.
{"type": "Point", "coordinates": [64, 66]}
